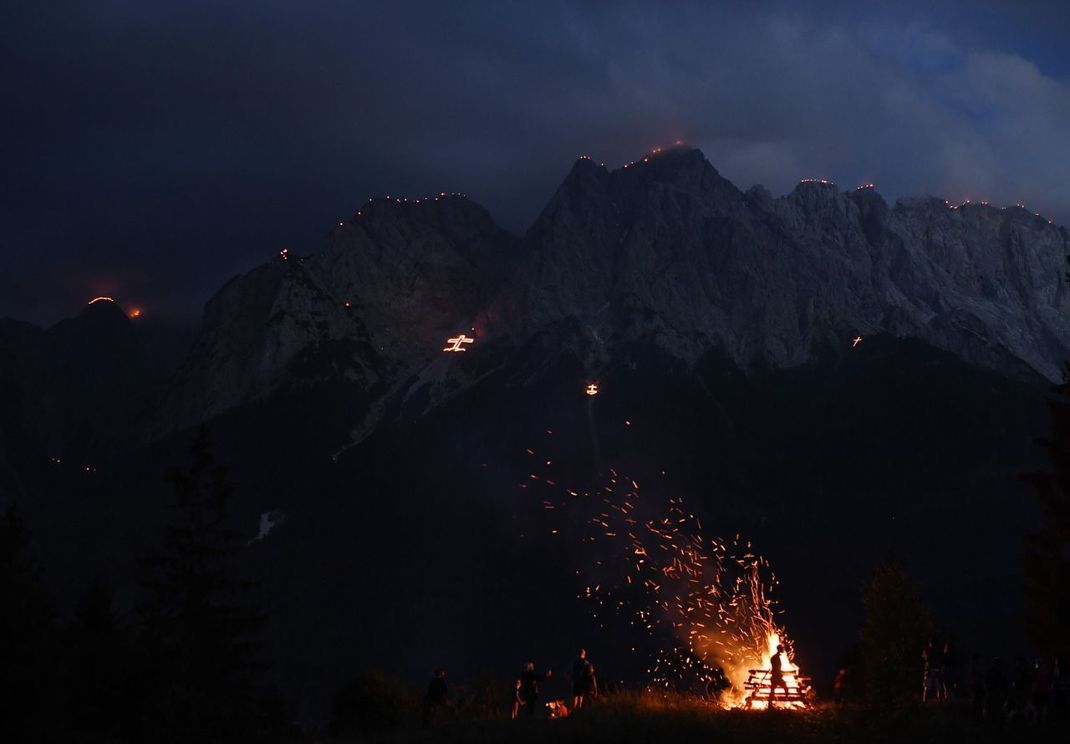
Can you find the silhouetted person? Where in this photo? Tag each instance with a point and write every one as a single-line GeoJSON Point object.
{"type": "Point", "coordinates": [1043, 684]}
{"type": "Point", "coordinates": [590, 682]}
{"type": "Point", "coordinates": [579, 669]}
{"type": "Point", "coordinates": [946, 674]}
{"type": "Point", "coordinates": [1060, 688]}
{"type": "Point", "coordinates": [995, 692]}
{"type": "Point", "coordinates": [438, 697]}
{"type": "Point", "coordinates": [977, 682]}
{"type": "Point", "coordinates": [1021, 686]}
{"type": "Point", "coordinates": [929, 659]}
{"type": "Point", "coordinates": [839, 687]}
{"type": "Point", "coordinates": [527, 690]}
{"type": "Point", "coordinates": [776, 675]}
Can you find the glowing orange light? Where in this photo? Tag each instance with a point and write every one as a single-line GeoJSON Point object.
{"type": "Point", "coordinates": [135, 312]}
{"type": "Point", "coordinates": [95, 300]}
{"type": "Point", "coordinates": [592, 388]}
{"type": "Point", "coordinates": [856, 342]}
{"type": "Point", "coordinates": [455, 343]}
{"type": "Point", "coordinates": [792, 689]}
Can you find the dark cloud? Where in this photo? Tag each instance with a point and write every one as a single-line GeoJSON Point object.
{"type": "Point", "coordinates": [151, 150]}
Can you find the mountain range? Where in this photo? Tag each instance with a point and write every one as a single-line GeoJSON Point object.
{"type": "Point", "coordinates": [839, 377]}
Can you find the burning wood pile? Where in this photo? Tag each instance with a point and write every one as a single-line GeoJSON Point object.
{"type": "Point", "coordinates": [778, 684]}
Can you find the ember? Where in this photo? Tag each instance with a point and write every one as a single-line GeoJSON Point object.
{"type": "Point", "coordinates": [702, 603]}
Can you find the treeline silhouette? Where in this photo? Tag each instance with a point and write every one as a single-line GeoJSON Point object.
{"type": "Point", "coordinates": [182, 664]}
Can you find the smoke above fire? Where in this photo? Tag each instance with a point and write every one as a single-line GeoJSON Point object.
{"type": "Point", "coordinates": [699, 607]}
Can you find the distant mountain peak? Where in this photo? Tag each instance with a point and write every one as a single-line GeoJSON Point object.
{"type": "Point", "coordinates": [664, 250]}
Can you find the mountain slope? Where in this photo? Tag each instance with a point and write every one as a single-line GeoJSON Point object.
{"type": "Point", "coordinates": [382, 296]}
{"type": "Point", "coordinates": [668, 248]}
{"type": "Point", "coordinates": [664, 250]}
{"type": "Point", "coordinates": [75, 390]}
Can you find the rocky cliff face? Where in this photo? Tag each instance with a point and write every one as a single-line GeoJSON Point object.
{"type": "Point", "coordinates": [390, 285]}
{"type": "Point", "coordinates": [669, 249]}
{"type": "Point", "coordinates": [664, 250]}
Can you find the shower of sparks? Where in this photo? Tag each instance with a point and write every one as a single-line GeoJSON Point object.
{"type": "Point", "coordinates": [455, 343]}
{"type": "Point", "coordinates": [701, 603]}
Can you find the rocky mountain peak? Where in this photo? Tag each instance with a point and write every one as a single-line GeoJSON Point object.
{"type": "Point", "coordinates": [664, 250]}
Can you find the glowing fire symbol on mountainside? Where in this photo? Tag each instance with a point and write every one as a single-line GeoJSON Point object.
{"type": "Point", "coordinates": [95, 300]}
{"type": "Point", "coordinates": [592, 388]}
{"type": "Point", "coordinates": [455, 343]}
{"type": "Point", "coordinates": [856, 342]}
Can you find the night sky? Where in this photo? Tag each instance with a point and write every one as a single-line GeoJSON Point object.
{"type": "Point", "coordinates": [151, 150]}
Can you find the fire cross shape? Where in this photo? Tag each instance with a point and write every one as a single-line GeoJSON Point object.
{"type": "Point", "coordinates": [592, 388]}
{"type": "Point", "coordinates": [856, 342]}
{"type": "Point", "coordinates": [455, 343]}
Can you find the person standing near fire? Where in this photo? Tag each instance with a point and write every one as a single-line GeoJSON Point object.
{"type": "Point", "coordinates": [527, 690]}
{"type": "Point", "coordinates": [437, 698]}
{"type": "Point", "coordinates": [590, 682]}
{"type": "Point", "coordinates": [839, 687]}
{"type": "Point", "coordinates": [579, 669]}
{"type": "Point", "coordinates": [776, 676]}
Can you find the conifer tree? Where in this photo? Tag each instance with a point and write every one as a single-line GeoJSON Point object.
{"type": "Point", "coordinates": [28, 639]}
{"type": "Point", "coordinates": [895, 629]}
{"type": "Point", "coordinates": [1047, 550]}
{"type": "Point", "coordinates": [100, 690]}
{"type": "Point", "coordinates": [200, 627]}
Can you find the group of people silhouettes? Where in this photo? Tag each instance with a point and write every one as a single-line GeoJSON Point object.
{"type": "Point", "coordinates": [1029, 692]}
{"type": "Point", "coordinates": [525, 692]}
{"type": "Point", "coordinates": [526, 689]}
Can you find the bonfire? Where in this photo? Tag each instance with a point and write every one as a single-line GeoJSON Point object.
{"type": "Point", "coordinates": [792, 692]}
{"type": "Point", "coordinates": [702, 602]}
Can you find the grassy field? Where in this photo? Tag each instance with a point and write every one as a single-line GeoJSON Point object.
{"type": "Point", "coordinates": [626, 718]}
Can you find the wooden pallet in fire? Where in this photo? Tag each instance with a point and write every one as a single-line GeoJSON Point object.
{"type": "Point", "coordinates": [758, 682]}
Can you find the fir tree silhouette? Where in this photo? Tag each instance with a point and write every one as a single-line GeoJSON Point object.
{"type": "Point", "coordinates": [99, 683]}
{"type": "Point", "coordinates": [895, 629]}
{"type": "Point", "coordinates": [28, 640]}
{"type": "Point", "coordinates": [200, 628]}
{"type": "Point", "coordinates": [1047, 550]}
